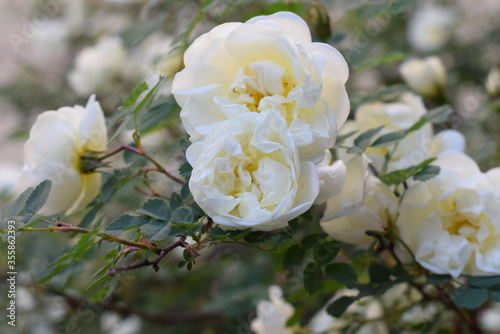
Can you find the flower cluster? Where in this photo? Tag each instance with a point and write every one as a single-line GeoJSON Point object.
{"type": "Point", "coordinates": [261, 104]}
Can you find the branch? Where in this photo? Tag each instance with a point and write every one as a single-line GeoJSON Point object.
{"type": "Point", "coordinates": [163, 251]}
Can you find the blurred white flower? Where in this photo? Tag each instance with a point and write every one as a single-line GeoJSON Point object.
{"type": "Point", "coordinates": [58, 140]}
{"type": "Point", "coordinates": [8, 179]}
{"type": "Point", "coordinates": [331, 178]}
{"type": "Point", "coordinates": [246, 173]}
{"type": "Point", "coordinates": [365, 203]}
{"type": "Point", "coordinates": [489, 319]}
{"type": "Point", "coordinates": [272, 315]}
{"type": "Point", "coordinates": [267, 63]}
{"type": "Point", "coordinates": [399, 115]}
{"type": "Point", "coordinates": [113, 323]}
{"type": "Point", "coordinates": [492, 83]}
{"type": "Point", "coordinates": [430, 26]}
{"type": "Point", "coordinates": [98, 67]}
{"type": "Point", "coordinates": [425, 76]}
{"type": "Point", "coordinates": [451, 222]}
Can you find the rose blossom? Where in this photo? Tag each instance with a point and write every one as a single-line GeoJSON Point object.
{"type": "Point", "coordinates": [272, 315]}
{"type": "Point", "coordinates": [425, 76]}
{"type": "Point", "coordinates": [58, 140]}
{"type": "Point", "coordinates": [267, 63]}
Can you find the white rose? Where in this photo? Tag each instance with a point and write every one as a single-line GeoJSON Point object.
{"type": "Point", "coordinates": [331, 178]}
{"type": "Point", "coordinates": [430, 27]}
{"type": "Point", "coordinates": [399, 116]}
{"type": "Point", "coordinates": [267, 63]}
{"type": "Point", "coordinates": [425, 76]}
{"type": "Point", "coordinates": [452, 222]}
{"type": "Point", "coordinates": [247, 174]}
{"type": "Point", "coordinates": [272, 315]}
{"type": "Point", "coordinates": [98, 66]}
{"type": "Point", "coordinates": [57, 142]}
{"type": "Point", "coordinates": [364, 204]}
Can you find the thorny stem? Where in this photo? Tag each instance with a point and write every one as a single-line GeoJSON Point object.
{"type": "Point", "coordinates": [119, 149]}
{"type": "Point", "coordinates": [163, 251]}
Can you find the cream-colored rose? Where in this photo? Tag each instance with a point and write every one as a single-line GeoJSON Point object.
{"type": "Point", "coordinates": [98, 66]}
{"type": "Point", "coordinates": [425, 76]}
{"type": "Point", "coordinates": [267, 63]}
{"type": "Point", "coordinates": [272, 315]}
{"type": "Point", "coordinates": [452, 221]}
{"type": "Point", "coordinates": [430, 26]}
{"type": "Point", "coordinates": [399, 116]}
{"type": "Point", "coordinates": [246, 173]}
{"type": "Point", "coordinates": [331, 178]}
{"type": "Point", "coordinates": [493, 83]}
{"type": "Point", "coordinates": [364, 204]}
{"type": "Point", "coordinates": [57, 142]}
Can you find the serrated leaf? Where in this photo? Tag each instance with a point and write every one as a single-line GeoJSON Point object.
{"type": "Point", "coordinates": [216, 233]}
{"type": "Point", "coordinates": [342, 273]}
{"type": "Point", "coordinates": [325, 252]}
{"type": "Point", "coordinates": [238, 234]}
{"type": "Point", "coordinates": [38, 197]}
{"type": "Point", "coordinates": [400, 175]}
{"type": "Point", "coordinates": [340, 139]}
{"type": "Point", "coordinates": [420, 123]}
{"type": "Point", "coordinates": [99, 295]}
{"type": "Point", "coordinates": [438, 279]}
{"type": "Point", "coordinates": [427, 173]}
{"type": "Point", "coordinates": [185, 169]}
{"type": "Point", "coordinates": [156, 208]}
{"type": "Point", "coordinates": [182, 215]}
{"type": "Point", "coordinates": [311, 240]}
{"type": "Point", "coordinates": [134, 94]}
{"type": "Point", "coordinates": [470, 297]}
{"type": "Point", "coordinates": [484, 281]}
{"type": "Point", "coordinates": [13, 208]}
{"type": "Point", "coordinates": [293, 255]}
{"type": "Point", "coordinates": [312, 277]}
{"type": "Point", "coordinates": [439, 115]}
{"type": "Point", "coordinates": [125, 222]}
{"type": "Point", "coordinates": [175, 201]}
{"type": "Point", "coordinates": [379, 273]}
{"type": "Point", "coordinates": [495, 295]}
{"type": "Point", "coordinates": [388, 139]}
{"type": "Point", "coordinates": [339, 306]}
{"type": "Point", "coordinates": [98, 282]}
{"type": "Point", "coordinates": [102, 271]}
{"type": "Point", "coordinates": [185, 192]}
{"type": "Point", "coordinates": [156, 230]}
{"type": "Point", "coordinates": [363, 140]}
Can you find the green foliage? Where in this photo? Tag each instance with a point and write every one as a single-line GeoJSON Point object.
{"type": "Point", "coordinates": [313, 276]}
{"type": "Point", "coordinates": [134, 95]}
{"type": "Point", "coordinates": [343, 273]}
{"type": "Point", "coordinates": [363, 140]}
{"type": "Point", "coordinates": [339, 306]}
{"type": "Point", "coordinates": [469, 297]}
{"type": "Point", "coordinates": [388, 58]}
{"type": "Point", "coordinates": [420, 172]}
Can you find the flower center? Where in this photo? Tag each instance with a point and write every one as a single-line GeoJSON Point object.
{"type": "Point", "coordinates": [465, 228]}
{"type": "Point", "coordinates": [264, 85]}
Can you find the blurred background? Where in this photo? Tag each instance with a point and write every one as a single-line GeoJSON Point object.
{"type": "Point", "coordinates": [56, 53]}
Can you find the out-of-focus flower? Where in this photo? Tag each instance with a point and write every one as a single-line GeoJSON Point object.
{"type": "Point", "coordinates": [493, 83]}
{"type": "Point", "coordinates": [331, 177]}
{"type": "Point", "coordinates": [267, 63]}
{"type": "Point", "coordinates": [489, 319]}
{"type": "Point", "coordinates": [425, 76]}
{"type": "Point", "coordinates": [452, 222]}
{"type": "Point", "coordinates": [246, 173]}
{"type": "Point", "coordinates": [98, 66]}
{"type": "Point", "coordinates": [365, 203]}
{"type": "Point", "coordinates": [113, 323]}
{"type": "Point", "coordinates": [430, 26]}
{"type": "Point", "coordinates": [400, 116]}
{"type": "Point", "coordinates": [272, 315]}
{"type": "Point", "coordinates": [58, 144]}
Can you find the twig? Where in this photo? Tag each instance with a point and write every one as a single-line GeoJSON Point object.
{"type": "Point", "coordinates": [119, 149]}
{"type": "Point", "coordinates": [163, 251]}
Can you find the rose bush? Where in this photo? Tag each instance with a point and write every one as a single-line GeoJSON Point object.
{"type": "Point", "coordinates": [246, 173]}
{"type": "Point", "coordinates": [59, 142]}
{"type": "Point", "coordinates": [267, 63]}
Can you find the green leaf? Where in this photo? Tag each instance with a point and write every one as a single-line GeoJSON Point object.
{"type": "Point", "coordinates": [311, 240]}
{"type": "Point", "coordinates": [185, 169]}
{"type": "Point", "coordinates": [325, 252]}
{"type": "Point", "coordinates": [125, 222]}
{"type": "Point", "coordinates": [238, 234]}
{"type": "Point", "coordinates": [38, 197]}
{"type": "Point", "coordinates": [484, 281]}
{"type": "Point", "coordinates": [134, 94]}
{"type": "Point", "coordinates": [388, 139]}
{"type": "Point", "coordinates": [495, 295]}
{"type": "Point", "coordinates": [13, 208]}
{"type": "Point", "coordinates": [175, 201]}
{"type": "Point", "coordinates": [293, 255]}
{"type": "Point", "coordinates": [342, 138]}
{"type": "Point", "coordinates": [183, 215]}
{"type": "Point", "coordinates": [216, 233]}
{"type": "Point", "coordinates": [439, 115]}
{"type": "Point", "coordinates": [185, 192]}
{"type": "Point", "coordinates": [420, 123]}
{"type": "Point", "coordinates": [98, 282]}
{"type": "Point", "coordinates": [148, 99]}
{"type": "Point", "coordinates": [438, 279]}
{"type": "Point", "coordinates": [400, 175]}
{"type": "Point", "coordinates": [388, 58]}
{"type": "Point", "coordinates": [156, 208]}
{"type": "Point", "coordinates": [363, 140]}
{"type": "Point", "coordinates": [312, 277]}
{"type": "Point", "coordinates": [470, 297]}
{"type": "Point", "coordinates": [339, 306]}
{"type": "Point", "coordinates": [427, 173]}
{"type": "Point", "coordinates": [156, 230]}
{"type": "Point", "coordinates": [99, 295]}
{"type": "Point", "coordinates": [342, 273]}
{"type": "Point", "coordinates": [379, 273]}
